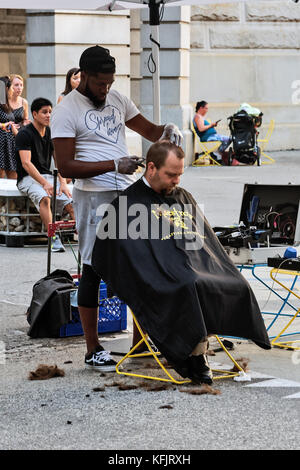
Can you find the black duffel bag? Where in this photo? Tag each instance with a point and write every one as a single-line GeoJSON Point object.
{"type": "Point", "coordinates": [50, 307]}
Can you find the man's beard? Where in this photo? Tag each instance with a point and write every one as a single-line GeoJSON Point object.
{"type": "Point", "coordinates": [96, 102]}
{"type": "Point", "coordinates": [168, 191]}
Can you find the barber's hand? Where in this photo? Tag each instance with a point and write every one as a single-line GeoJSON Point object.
{"type": "Point", "coordinates": [173, 134]}
{"type": "Point", "coordinates": [127, 165]}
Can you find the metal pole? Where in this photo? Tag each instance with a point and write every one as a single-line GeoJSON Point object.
{"type": "Point", "coordinates": [55, 172]}
{"type": "Point", "coordinates": [156, 74]}
{"type": "Point", "coordinates": [154, 24]}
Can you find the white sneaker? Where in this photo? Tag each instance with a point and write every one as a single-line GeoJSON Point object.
{"type": "Point", "coordinates": [57, 245]}
{"type": "Point", "coordinates": [100, 361]}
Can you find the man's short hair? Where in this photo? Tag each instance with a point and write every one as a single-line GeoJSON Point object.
{"type": "Point", "coordinates": [201, 104]}
{"type": "Point", "coordinates": [159, 151]}
{"type": "Point", "coordinates": [38, 103]}
{"type": "Point", "coordinates": [97, 59]}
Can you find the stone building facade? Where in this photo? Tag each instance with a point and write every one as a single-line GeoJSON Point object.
{"type": "Point", "coordinates": [224, 53]}
{"type": "Point", "coordinates": [249, 52]}
{"type": "Point", "coordinates": [12, 42]}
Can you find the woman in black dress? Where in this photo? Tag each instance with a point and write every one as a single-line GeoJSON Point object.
{"type": "Point", "coordinates": [13, 114]}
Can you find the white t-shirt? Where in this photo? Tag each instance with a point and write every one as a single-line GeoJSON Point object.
{"type": "Point", "coordinates": [99, 134]}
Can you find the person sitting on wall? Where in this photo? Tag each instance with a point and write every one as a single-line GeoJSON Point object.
{"type": "Point", "coordinates": [34, 150]}
{"type": "Point", "coordinates": [206, 131]}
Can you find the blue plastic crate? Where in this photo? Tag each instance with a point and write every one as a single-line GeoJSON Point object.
{"type": "Point", "coordinates": [112, 316]}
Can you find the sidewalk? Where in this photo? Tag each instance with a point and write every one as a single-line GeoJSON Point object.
{"type": "Point", "coordinates": [68, 413]}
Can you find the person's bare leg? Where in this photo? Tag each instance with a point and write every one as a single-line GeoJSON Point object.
{"type": "Point", "coordinates": [45, 211]}
{"type": "Point", "coordinates": [201, 347]}
{"type": "Point", "coordinates": [69, 209]}
{"type": "Point", "coordinates": [136, 336]}
{"type": "Point", "coordinates": [89, 321]}
{"type": "Point", "coordinates": [11, 175]}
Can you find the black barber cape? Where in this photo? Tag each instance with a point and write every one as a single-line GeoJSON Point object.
{"type": "Point", "coordinates": [178, 294]}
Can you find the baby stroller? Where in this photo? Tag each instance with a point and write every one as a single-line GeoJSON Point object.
{"type": "Point", "coordinates": [244, 138]}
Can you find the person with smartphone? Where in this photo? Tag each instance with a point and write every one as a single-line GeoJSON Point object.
{"type": "Point", "coordinates": [206, 131]}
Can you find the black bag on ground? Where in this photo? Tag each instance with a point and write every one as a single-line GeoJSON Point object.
{"type": "Point", "coordinates": [50, 307]}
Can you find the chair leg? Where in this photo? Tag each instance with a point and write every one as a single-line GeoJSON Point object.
{"type": "Point", "coordinates": [287, 344]}
{"type": "Point", "coordinates": [150, 353]}
{"type": "Point", "coordinates": [203, 157]}
{"type": "Point", "coordinates": [171, 378]}
{"type": "Point", "coordinates": [227, 374]}
{"type": "Point", "coordinates": [271, 160]}
{"type": "Point", "coordinates": [154, 355]}
{"type": "Point", "coordinates": [281, 343]}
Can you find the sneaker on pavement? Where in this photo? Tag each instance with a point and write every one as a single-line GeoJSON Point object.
{"type": "Point", "coordinates": [100, 361]}
{"type": "Point", "coordinates": [57, 245]}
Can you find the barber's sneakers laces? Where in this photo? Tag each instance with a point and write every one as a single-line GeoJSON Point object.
{"type": "Point", "coordinates": [56, 245]}
{"type": "Point", "coordinates": [100, 361]}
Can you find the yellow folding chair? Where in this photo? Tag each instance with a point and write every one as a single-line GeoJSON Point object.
{"type": "Point", "coordinates": [279, 340]}
{"type": "Point", "coordinates": [264, 142]}
{"type": "Point", "coordinates": [206, 149]}
{"type": "Point", "coordinates": [170, 378]}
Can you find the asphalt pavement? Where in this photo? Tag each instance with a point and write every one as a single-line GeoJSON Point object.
{"type": "Point", "coordinates": [87, 411]}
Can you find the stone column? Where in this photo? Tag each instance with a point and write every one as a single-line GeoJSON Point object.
{"type": "Point", "coordinates": [12, 43]}
{"type": "Point", "coordinates": [174, 39]}
{"type": "Point", "coordinates": [55, 41]}
{"type": "Point", "coordinates": [135, 55]}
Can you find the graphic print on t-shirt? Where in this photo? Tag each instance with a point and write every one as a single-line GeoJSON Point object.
{"type": "Point", "coordinates": [105, 122]}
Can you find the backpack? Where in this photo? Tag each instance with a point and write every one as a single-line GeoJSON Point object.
{"type": "Point", "coordinates": [50, 306]}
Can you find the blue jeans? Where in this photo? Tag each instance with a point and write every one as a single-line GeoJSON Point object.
{"type": "Point", "coordinates": [226, 141]}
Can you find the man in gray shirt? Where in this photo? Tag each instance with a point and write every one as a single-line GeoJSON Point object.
{"type": "Point", "coordinates": [88, 131]}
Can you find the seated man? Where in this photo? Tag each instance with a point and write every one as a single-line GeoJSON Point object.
{"type": "Point", "coordinates": [206, 131]}
{"type": "Point", "coordinates": [34, 150]}
{"type": "Point", "coordinates": [160, 255]}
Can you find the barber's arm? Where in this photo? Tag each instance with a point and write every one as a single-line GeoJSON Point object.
{"type": "Point", "coordinates": [63, 187]}
{"type": "Point", "coordinates": [153, 132]}
{"type": "Point", "coordinates": [68, 167]}
{"type": "Point", "coordinates": [30, 168]}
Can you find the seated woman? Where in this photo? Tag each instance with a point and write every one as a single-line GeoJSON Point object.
{"type": "Point", "coordinates": [206, 131]}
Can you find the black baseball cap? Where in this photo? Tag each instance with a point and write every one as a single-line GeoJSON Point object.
{"type": "Point", "coordinates": [97, 59]}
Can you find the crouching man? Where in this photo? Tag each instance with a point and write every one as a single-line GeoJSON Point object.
{"type": "Point", "coordinates": [34, 150]}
